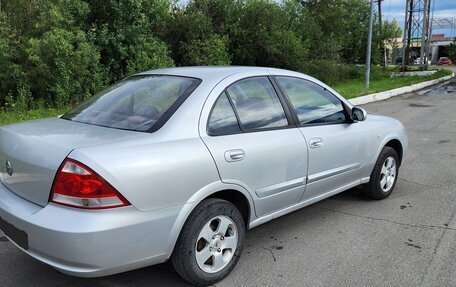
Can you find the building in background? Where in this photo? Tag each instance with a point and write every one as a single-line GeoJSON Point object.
{"type": "Point", "coordinates": [437, 49]}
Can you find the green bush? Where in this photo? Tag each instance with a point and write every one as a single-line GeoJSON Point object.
{"type": "Point", "coordinates": [50, 60]}
{"type": "Point", "coordinates": [355, 72]}
{"type": "Point", "coordinates": [185, 30]}
{"type": "Point", "coordinates": [378, 72]}
{"type": "Point", "coordinates": [5, 63]}
{"type": "Point", "coordinates": [452, 51]}
{"type": "Point", "coordinates": [123, 33]}
{"type": "Point", "coordinates": [326, 71]}
{"type": "Point", "coordinates": [208, 51]}
{"type": "Point", "coordinates": [58, 52]}
{"type": "Point", "coordinates": [331, 72]}
{"type": "Point", "coordinates": [66, 65]}
{"type": "Point", "coordinates": [146, 54]}
{"type": "Point", "coordinates": [265, 38]}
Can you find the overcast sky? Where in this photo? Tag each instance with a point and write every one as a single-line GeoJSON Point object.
{"type": "Point", "coordinates": [395, 9]}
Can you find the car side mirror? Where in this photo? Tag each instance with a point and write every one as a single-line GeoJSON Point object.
{"type": "Point", "coordinates": [358, 114]}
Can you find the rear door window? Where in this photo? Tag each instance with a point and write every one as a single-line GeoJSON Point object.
{"type": "Point", "coordinates": [257, 104]}
{"type": "Point", "coordinates": [223, 119]}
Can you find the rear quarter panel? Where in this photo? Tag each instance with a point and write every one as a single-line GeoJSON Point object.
{"type": "Point", "coordinates": [150, 173]}
{"type": "Point", "coordinates": [163, 168]}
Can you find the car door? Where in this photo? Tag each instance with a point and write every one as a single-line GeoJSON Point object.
{"type": "Point", "coordinates": [338, 147]}
{"type": "Point", "coordinates": [254, 145]}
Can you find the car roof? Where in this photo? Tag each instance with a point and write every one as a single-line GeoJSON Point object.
{"type": "Point", "coordinates": [207, 72]}
{"type": "Point", "coordinates": [211, 74]}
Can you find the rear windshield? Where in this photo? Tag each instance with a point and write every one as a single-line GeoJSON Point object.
{"type": "Point", "coordinates": [137, 103]}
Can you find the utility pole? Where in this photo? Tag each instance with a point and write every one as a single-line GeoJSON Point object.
{"type": "Point", "coordinates": [380, 31]}
{"type": "Point", "coordinates": [369, 45]}
{"type": "Point", "coordinates": [427, 35]}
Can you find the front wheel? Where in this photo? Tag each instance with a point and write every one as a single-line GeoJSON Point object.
{"type": "Point", "coordinates": [210, 242]}
{"type": "Point", "coordinates": [384, 176]}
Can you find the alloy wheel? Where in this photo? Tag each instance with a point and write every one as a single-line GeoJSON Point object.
{"type": "Point", "coordinates": [388, 174]}
{"type": "Point", "coordinates": [216, 244]}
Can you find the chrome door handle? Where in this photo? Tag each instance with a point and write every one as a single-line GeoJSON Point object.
{"type": "Point", "coordinates": [316, 142]}
{"type": "Point", "coordinates": [234, 155]}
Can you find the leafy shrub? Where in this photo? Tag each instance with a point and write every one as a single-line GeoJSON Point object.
{"type": "Point", "coordinates": [49, 59]}
{"type": "Point", "coordinates": [452, 51]}
{"type": "Point", "coordinates": [324, 70]}
{"type": "Point", "coordinates": [5, 62]}
{"type": "Point", "coordinates": [146, 54]}
{"type": "Point", "coordinates": [378, 73]}
{"type": "Point", "coordinates": [66, 65]}
{"type": "Point", "coordinates": [331, 72]}
{"type": "Point", "coordinates": [265, 38]}
{"type": "Point", "coordinates": [208, 51]}
{"type": "Point", "coordinates": [58, 52]}
{"type": "Point", "coordinates": [123, 33]}
{"type": "Point", "coordinates": [185, 30]}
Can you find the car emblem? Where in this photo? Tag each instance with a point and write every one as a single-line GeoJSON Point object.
{"type": "Point", "coordinates": [9, 168]}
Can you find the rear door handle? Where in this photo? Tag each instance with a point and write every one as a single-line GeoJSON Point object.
{"type": "Point", "coordinates": [234, 155]}
{"type": "Point", "coordinates": [316, 142]}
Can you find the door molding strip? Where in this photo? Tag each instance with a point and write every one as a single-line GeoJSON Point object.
{"type": "Point", "coordinates": [332, 172]}
{"type": "Point", "coordinates": [280, 187]}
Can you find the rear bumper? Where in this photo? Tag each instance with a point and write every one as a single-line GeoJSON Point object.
{"type": "Point", "coordinates": [90, 243]}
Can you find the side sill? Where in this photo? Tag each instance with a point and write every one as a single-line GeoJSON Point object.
{"type": "Point", "coordinates": [302, 204]}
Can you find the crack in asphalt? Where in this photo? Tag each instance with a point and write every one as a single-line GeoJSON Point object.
{"type": "Point", "coordinates": [386, 220]}
{"type": "Point", "coordinates": [436, 248]}
{"type": "Point", "coordinates": [272, 252]}
{"type": "Point", "coordinates": [422, 184]}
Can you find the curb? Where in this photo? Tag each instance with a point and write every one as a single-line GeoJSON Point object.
{"type": "Point", "coordinates": [396, 92]}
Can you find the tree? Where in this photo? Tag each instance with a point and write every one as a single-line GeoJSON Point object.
{"type": "Point", "coordinates": [123, 31]}
{"type": "Point", "coordinates": [452, 51]}
{"type": "Point", "coordinates": [392, 31]}
{"type": "Point", "coordinates": [185, 29]}
{"type": "Point", "coordinates": [61, 51]}
{"type": "Point", "coordinates": [354, 22]}
{"type": "Point", "coordinates": [267, 38]}
{"type": "Point", "coordinates": [66, 65]}
{"type": "Point", "coordinates": [49, 56]}
{"type": "Point", "coordinates": [208, 51]}
{"type": "Point", "coordinates": [7, 70]}
{"type": "Point", "coordinates": [342, 26]}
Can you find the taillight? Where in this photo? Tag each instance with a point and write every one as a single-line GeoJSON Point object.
{"type": "Point", "coordinates": [76, 185]}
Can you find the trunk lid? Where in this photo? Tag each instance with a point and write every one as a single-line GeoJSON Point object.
{"type": "Point", "coordinates": [31, 152]}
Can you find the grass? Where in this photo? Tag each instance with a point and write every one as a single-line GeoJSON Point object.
{"type": "Point", "coordinates": [7, 117]}
{"type": "Point", "coordinates": [349, 89]}
{"type": "Point", "coordinates": [355, 88]}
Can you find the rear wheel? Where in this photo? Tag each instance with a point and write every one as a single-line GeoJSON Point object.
{"type": "Point", "coordinates": [384, 176]}
{"type": "Point", "coordinates": [210, 242]}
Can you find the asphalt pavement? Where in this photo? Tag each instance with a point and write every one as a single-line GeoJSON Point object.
{"type": "Point", "coordinates": [408, 239]}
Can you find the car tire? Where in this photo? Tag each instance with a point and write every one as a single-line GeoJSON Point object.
{"type": "Point", "coordinates": [384, 175]}
{"type": "Point", "coordinates": [214, 230]}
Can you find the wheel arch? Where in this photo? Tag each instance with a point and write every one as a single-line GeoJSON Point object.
{"type": "Point", "coordinates": [393, 142]}
{"type": "Point", "coordinates": [229, 192]}
{"type": "Point", "coordinates": [397, 146]}
{"type": "Point", "coordinates": [238, 199]}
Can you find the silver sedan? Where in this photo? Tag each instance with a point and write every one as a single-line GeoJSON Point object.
{"type": "Point", "coordinates": [176, 164]}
